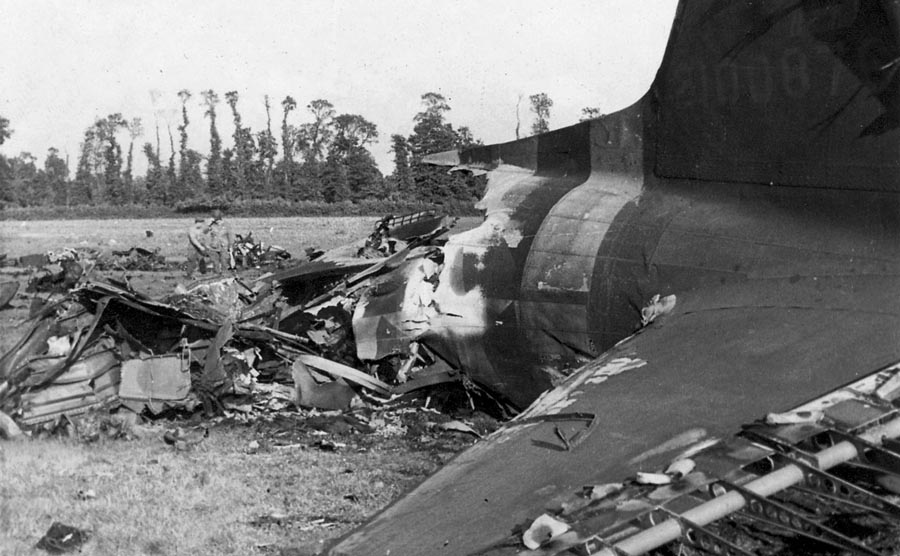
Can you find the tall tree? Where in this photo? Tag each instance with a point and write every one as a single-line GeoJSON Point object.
{"type": "Point", "coordinates": [113, 157]}
{"type": "Point", "coordinates": [432, 134]}
{"type": "Point", "coordinates": [435, 106]}
{"type": "Point", "coordinates": [107, 158]}
{"type": "Point", "coordinates": [316, 136]}
{"type": "Point", "coordinates": [352, 131]}
{"type": "Point", "coordinates": [312, 141]}
{"type": "Point", "coordinates": [156, 179]}
{"type": "Point", "coordinates": [400, 148]}
{"type": "Point", "coordinates": [588, 113]}
{"type": "Point", "coordinates": [287, 144]}
{"type": "Point", "coordinates": [158, 145]}
{"type": "Point", "coordinates": [174, 194]}
{"type": "Point", "coordinates": [56, 174]}
{"type": "Point", "coordinates": [186, 162]}
{"type": "Point", "coordinates": [5, 170]}
{"type": "Point", "coordinates": [359, 177]}
{"type": "Point", "coordinates": [214, 181]}
{"type": "Point", "coordinates": [25, 188]}
{"type": "Point", "coordinates": [518, 119]}
{"type": "Point", "coordinates": [465, 138]}
{"type": "Point", "coordinates": [192, 175]}
{"type": "Point", "coordinates": [243, 148]}
{"type": "Point", "coordinates": [85, 185]}
{"type": "Point", "coordinates": [238, 169]}
{"type": "Point", "coordinates": [540, 105]}
{"type": "Point", "coordinates": [5, 131]}
{"type": "Point", "coordinates": [268, 148]}
{"type": "Point", "coordinates": [335, 186]}
{"type": "Point", "coordinates": [135, 129]}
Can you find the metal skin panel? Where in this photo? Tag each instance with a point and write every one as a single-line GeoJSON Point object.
{"type": "Point", "coordinates": [559, 270]}
{"type": "Point", "coordinates": [770, 209]}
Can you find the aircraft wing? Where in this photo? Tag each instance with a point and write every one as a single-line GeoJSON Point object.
{"type": "Point", "coordinates": [723, 358]}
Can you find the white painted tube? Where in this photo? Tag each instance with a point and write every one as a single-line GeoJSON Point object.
{"type": "Point", "coordinates": [733, 501]}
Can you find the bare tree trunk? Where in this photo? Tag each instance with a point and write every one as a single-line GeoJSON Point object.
{"type": "Point", "coordinates": [518, 121]}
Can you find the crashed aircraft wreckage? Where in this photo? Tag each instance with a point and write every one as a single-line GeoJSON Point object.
{"type": "Point", "coordinates": [726, 253]}
{"type": "Point", "coordinates": [723, 253]}
{"type": "Point", "coordinates": [106, 344]}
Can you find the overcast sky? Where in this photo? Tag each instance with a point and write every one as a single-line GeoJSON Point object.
{"type": "Point", "coordinates": [64, 64]}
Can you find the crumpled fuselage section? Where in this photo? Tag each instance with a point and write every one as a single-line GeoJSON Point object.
{"type": "Point", "coordinates": [508, 302]}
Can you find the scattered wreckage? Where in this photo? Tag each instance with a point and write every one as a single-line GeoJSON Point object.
{"type": "Point", "coordinates": [216, 343]}
{"type": "Point", "coordinates": [699, 290]}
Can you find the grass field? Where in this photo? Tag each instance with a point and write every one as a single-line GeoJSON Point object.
{"type": "Point", "coordinates": [222, 497]}
{"type": "Point", "coordinates": [170, 235]}
{"type": "Point", "coordinates": [286, 498]}
{"type": "Point", "coordinates": [19, 238]}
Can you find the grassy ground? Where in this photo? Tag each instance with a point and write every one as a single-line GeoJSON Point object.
{"type": "Point", "coordinates": [170, 235]}
{"type": "Point", "coordinates": [287, 497]}
{"type": "Point", "coordinates": [19, 238]}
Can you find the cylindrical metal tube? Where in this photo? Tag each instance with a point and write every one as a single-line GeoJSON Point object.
{"type": "Point", "coordinates": [730, 502]}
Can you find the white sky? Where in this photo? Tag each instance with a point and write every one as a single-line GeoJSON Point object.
{"type": "Point", "coordinates": [65, 63]}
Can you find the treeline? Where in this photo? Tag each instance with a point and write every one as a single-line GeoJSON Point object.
{"type": "Point", "coordinates": [325, 160]}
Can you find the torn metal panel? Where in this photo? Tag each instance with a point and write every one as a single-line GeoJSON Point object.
{"type": "Point", "coordinates": [417, 224]}
{"type": "Point", "coordinates": [155, 383]}
{"type": "Point", "coordinates": [33, 260]}
{"type": "Point", "coordinates": [349, 374]}
{"type": "Point", "coordinates": [214, 375]}
{"type": "Point", "coordinates": [9, 430]}
{"type": "Point", "coordinates": [20, 377]}
{"type": "Point", "coordinates": [313, 270]}
{"type": "Point", "coordinates": [7, 293]}
{"type": "Point", "coordinates": [333, 395]}
{"type": "Point", "coordinates": [443, 158]}
{"type": "Point", "coordinates": [82, 370]}
{"type": "Point", "coordinates": [33, 342]}
{"type": "Point", "coordinates": [86, 384]}
{"type": "Point", "coordinates": [396, 311]}
{"type": "Point", "coordinates": [216, 299]}
{"type": "Point", "coordinates": [62, 538]}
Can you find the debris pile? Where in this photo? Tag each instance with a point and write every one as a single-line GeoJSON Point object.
{"type": "Point", "coordinates": [229, 343]}
{"type": "Point", "coordinates": [136, 258]}
{"type": "Point", "coordinates": [249, 253]}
